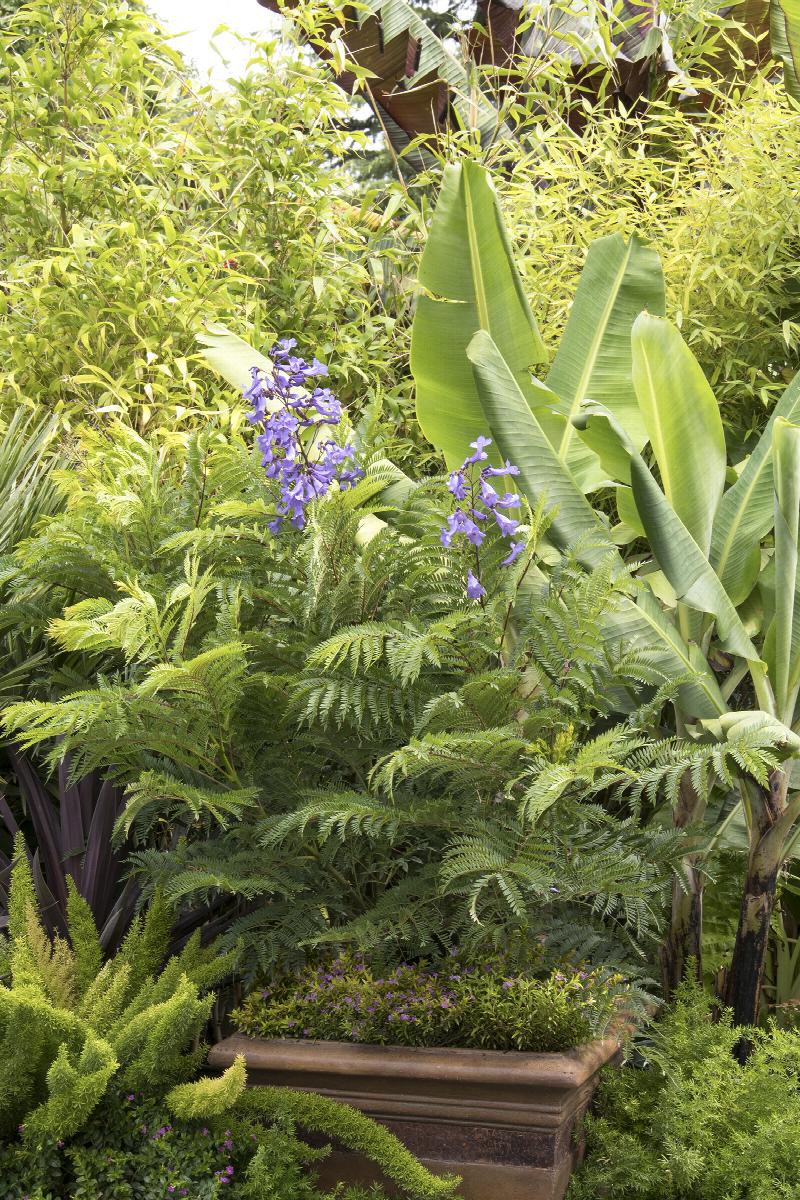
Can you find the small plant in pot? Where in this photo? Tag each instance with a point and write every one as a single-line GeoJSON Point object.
{"type": "Point", "coordinates": [483, 1069]}
{"type": "Point", "coordinates": [492, 1006]}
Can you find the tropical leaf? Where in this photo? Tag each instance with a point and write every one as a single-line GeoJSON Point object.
{"type": "Point", "coordinates": [677, 553]}
{"type": "Point", "coordinates": [472, 283]}
{"type": "Point", "coordinates": [786, 471]}
{"type": "Point", "coordinates": [646, 625]}
{"type": "Point", "coordinates": [784, 31]}
{"type": "Point", "coordinates": [231, 356]}
{"type": "Point", "coordinates": [746, 513]}
{"type": "Point", "coordinates": [684, 428]}
{"type": "Point", "coordinates": [415, 81]}
{"type": "Point", "coordinates": [520, 437]}
{"type": "Point", "coordinates": [619, 280]}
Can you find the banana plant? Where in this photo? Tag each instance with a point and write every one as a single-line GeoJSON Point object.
{"type": "Point", "coordinates": [719, 591]}
{"type": "Point", "coordinates": [784, 29]}
{"type": "Point", "coordinates": [731, 559]}
{"type": "Point", "coordinates": [469, 283]}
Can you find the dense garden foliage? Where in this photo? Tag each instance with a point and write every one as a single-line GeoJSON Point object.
{"type": "Point", "coordinates": [399, 619]}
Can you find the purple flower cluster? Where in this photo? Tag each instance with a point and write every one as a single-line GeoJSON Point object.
{"type": "Point", "coordinates": [291, 410]}
{"type": "Point", "coordinates": [450, 1004]}
{"type": "Point", "coordinates": [225, 1174]}
{"type": "Point", "coordinates": [479, 502]}
{"type": "Point", "coordinates": [347, 1001]}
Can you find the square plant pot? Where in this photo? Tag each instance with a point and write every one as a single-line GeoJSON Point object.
{"type": "Point", "coordinates": [503, 1121]}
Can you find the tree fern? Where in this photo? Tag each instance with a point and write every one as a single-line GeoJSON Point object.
{"type": "Point", "coordinates": [323, 740]}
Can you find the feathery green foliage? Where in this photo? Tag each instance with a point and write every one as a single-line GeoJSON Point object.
{"type": "Point", "coordinates": [69, 1029]}
{"type": "Point", "coordinates": [694, 1123]}
{"type": "Point", "coordinates": [127, 1039]}
{"type": "Point", "coordinates": [715, 193]}
{"type": "Point", "coordinates": [138, 203]}
{"type": "Point", "coordinates": [353, 752]}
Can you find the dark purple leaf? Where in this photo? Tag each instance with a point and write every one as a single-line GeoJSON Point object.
{"type": "Point", "coordinates": [102, 867]}
{"type": "Point", "coordinates": [73, 837]}
{"type": "Point", "coordinates": [119, 920]}
{"type": "Point", "coordinates": [7, 817]}
{"type": "Point", "coordinates": [45, 823]}
{"type": "Point", "coordinates": [52, 913]}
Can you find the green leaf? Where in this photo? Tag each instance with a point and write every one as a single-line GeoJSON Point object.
{"type": "Point", "coordinates": [735, 725]}
{"type": "Point", "coordinates": [746, 512]}
{"type": "Point", "coordinates": [520, 438]}
{"type": "Point", "coordinates": [468, 268]}
{"type": "Point", "coordinates": [784, 32]}
{"type": "Point", "coordinates": [786, 471]}
{"type": "Point", "coordinates": [677, 553]}
{"type": "Point", "coordinates": [683, 424]}
{"type": "Point", "coordinates": [593, 362]}
{"type": "Point", "coordinates": [646, 625]}
{"type": "Point", "coordinates": [230, 356]}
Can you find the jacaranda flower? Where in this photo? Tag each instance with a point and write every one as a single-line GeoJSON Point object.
{"type": "Point", "coordinates": [477, 501]}
{"type": "Point", "coordinates": [475, 588]}
{"type": "Point", "coordinates": [285, 405]}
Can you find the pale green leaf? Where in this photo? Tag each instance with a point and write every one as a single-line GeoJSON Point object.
{"type": "Point", "coordinates": [683, 424]}
{"type": "Point", "coordinates": [469, 271]}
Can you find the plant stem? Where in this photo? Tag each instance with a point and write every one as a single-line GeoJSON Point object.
{"type": "Point", "coordinates": [758, 901]}
{"type": "Point", "coordinates": [684, 940]}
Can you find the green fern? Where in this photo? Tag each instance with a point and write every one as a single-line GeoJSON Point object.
{"type": "Point", "coordinates": [345, 747]}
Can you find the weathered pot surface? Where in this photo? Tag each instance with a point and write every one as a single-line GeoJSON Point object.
{"type": "Point", "coordinates": [502, 1121]}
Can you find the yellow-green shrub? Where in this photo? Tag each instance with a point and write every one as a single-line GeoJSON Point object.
{"type": "Point", "coordinates": [718, 195]}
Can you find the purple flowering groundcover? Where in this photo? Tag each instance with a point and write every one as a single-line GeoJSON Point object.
{"type": "Point", "coordinates": [443, 1004]}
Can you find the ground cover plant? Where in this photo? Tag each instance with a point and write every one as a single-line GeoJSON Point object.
{"type": "Point", "coordinates": [446, 1003]}
{"type": "Point", "coordinates": [693, 1122]}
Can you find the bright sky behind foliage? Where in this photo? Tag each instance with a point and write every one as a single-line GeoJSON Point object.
{"type": "Point", "coordinates": [197, 21]}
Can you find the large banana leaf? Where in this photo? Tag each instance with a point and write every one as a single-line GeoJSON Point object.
{"type": "Point", "coordinates": [646, 626]}
{"type": "Point", "coordinates": [746, 512]}
{"type": "Point", "coordinates": [520, 438]}
{"type": "Point", "coordinates": [399, 23]}
{"type": "Point", "coordinates": [619, 280]}
{"type": "Point", "coordinates": [643, 625]}
{"type": "Point", "coordinates": [784, 30]}
{"type": "Point", "coordinates": [468, 269]}
{"type": "Point", "coordinates": [677, 553]}
{"type": "Point", "coordinates": [786, 472]}
{"type": "Point", "coordinates": [681, 416]}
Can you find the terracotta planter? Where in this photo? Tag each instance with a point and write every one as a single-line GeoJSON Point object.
{"type": "Point", "coordinates": [504, 1122]}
